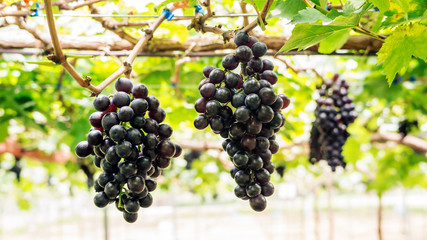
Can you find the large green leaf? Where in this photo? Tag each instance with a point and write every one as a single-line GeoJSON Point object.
{"type": "Point", "coordinates": [334, 41]}
{"type": "Point", "coordinates": [396, 16]}
{"type": "Point", "coordinates": [310, 15]}
{"type": "Point", "coordinates": [383, 5]}
{"type": "Point", "coordinates": [404, 4]}
{"type": "Point", "coordinates": [321, 3]}
{"type": "Point", "coordinates": [400, 46]}
{"type": "Point", "coordinates": [352, 6]}
{"type": "Point", "coordinates": [289, 8]}
{"type": "Point", "coordinates": [305, 35]}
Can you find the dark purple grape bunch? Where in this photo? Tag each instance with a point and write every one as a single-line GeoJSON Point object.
{"type": "Point", "coordinates": [130, 147]}
{"type": "Point", "coordinates": [246, 111]}
{"type": "Point", "coordinates": [334, 112]}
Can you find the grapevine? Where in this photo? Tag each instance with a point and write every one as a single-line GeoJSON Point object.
{"type": "Point", "coordinates": [334, 113]}
{"type": "Point", "coordinates": [129, 147]}
{"type": "Point", "coordinates": [245, 110]}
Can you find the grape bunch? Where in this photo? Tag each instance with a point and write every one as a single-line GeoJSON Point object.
{"type": "Point", "coordinates": [334, 112]}
{"type": "Point", "coordinates": [130, 147]}
{"type": "Point", "coordinates": [406, 126]}
{"type": "Point", "coordinates": [245, 110]}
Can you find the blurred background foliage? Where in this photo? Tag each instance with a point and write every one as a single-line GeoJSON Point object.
{"type": "Point", "coordinates": [44, 113]}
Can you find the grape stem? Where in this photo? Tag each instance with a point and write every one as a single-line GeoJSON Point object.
{"type": "Point", "coordinates": [263, 15]}
{"type": "Point", "coordinates": [59, 56]}
{"type": "Point", "coordinates": [198, 23]}
{"type": "Point", "coordinates": [297, 70]}
{"type": "Point", "coordinates": [126, 69]}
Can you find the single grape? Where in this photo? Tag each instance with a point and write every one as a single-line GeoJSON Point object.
{"type": "Point", "coordinates": [243, 54]}
{"type": "Point", "coordinates": [130, 217]}
{"type": "Point", "coordinates": [101, 200]}
{"type": "Point", "coordinates": [241, 38]}
{"type": "Point", "coordinates": [83, 149]}
{"type": "Point", "coordinates": [140, 91]}
{"type": "Point", "coordinates": [207, 70]}
{"type": "Point", "coordinates": [259, 49]}
{"type": "Point", "coordinates": [95, 119]}
{"type": "Point", "coordinates": [230, 62]}
{"type": "Point", "coordinates": [126, 114]}
{"type": "Point", "coordinates": [94, 137]}
{"type": "Point", "coordinates": [121, 99]}
{"type": "Point", "coordinates": [139, 106]}
{"type": "Point", "coordinates": [252, 41]}
{"type": "Point", "coordinates": [101, 103]}
{"type": "Point", "coordinates": [258, 203]}
{"type": "Point", "coordinates": [269, 76]}
{"type": "Point", "coordinates": [153, 103]}
{"type": "Point", "coordinates": [165, 131]}
{"type": "Point", "coordinates": [159, 115]}
{"type": "Point", "coordinates": [256, 64]}
{"type": "Point", "coordinates": [117, 133]}
{"type": "Point", "coordinates": [216, 76]}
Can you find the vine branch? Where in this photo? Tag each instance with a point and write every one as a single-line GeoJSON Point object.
{"type": "Point", "coordinates": [127, 64]}
{"type": "Point", "coordinates": [297, 70]}
{"type": "Point", "coordinates": [263, 14]}
{"type": "Point", "coordinates": [59, 56]}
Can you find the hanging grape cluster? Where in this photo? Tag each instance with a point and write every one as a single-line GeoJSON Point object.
{"type": "Point", "coordinates": [334, 112]}
{"type": "Point", "coordinates": [130, 148]}
{"type": "Point", "coordinates": [245, 110]}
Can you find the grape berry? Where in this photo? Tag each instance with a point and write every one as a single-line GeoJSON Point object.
{"type": "Point", "coordinates": [130, 148]}
{"type": "Point", "coordinates": [245, 110]}
{"type": "Point", "coordinates": [334, 112]}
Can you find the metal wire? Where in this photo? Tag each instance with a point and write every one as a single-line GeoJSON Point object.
{"type": "Point", "coordinates": [176, 54]}
{"type": "Point", "coordinates": [150, 16]}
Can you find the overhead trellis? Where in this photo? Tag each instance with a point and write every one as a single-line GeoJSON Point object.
{"type": "Point", "coordinates": [330, 25]}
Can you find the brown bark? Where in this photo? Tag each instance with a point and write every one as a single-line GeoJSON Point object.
{"type": "Point", "coordinates": [205, 43]}
{"type": "Point", "coordinates": [12, 146]}
{"type": "Point", "coordinates": [418, 144]}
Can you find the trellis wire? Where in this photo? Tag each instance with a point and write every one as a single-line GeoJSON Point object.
{"type": "Point", "coordinates": [184, 17]}
{"type": "Point", "coordinates": [178, 54]}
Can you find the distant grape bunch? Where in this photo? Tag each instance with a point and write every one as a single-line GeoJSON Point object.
{"type": "Point", "coordinates": [245, 110]}
{"type": "Point", "coordinates": [334, 113]}
{"type": "Point", "coordinates": [131, 149]}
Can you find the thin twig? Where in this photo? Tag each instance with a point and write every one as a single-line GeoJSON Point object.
{"type": "Point", "coordinates": [33, 31]}
{"type": "Point", "coordinates": [263, 14]}
{"type": "Point", "coordinates": [59, 55]}
{"type": "Point", "coordinates": [244, 10]}
{"type": "Point", "coordinates": [175, 77]}
{"type": "Point", "coordinates": [208, 7]}
{"type": "Point", "coordinates": [127, 65]}
{"type": "Point", "coordinates": [297, 70]}
{"type": "Point", "coordinates": [111, 25]}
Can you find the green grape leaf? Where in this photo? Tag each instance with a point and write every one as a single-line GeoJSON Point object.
{"type": "Point", "coordinates": [309, 15]}
{"type": "Point", "coordinates": [404, 4]}
{"type": "Point", "coordinates": [333, 13]}
{"type": "Point", "coordinates": [321, 3]}
{"type": "Point", "coordinates": [352, 6]}
{"type": "Point", "coordinates": [334, 41]}
{"type": "Point", "coordinates": [383, 5]}
{"type": "Point", "coordinates": [395, 16]}
{"type": "Point", "coordinates": [258, 3]}
{"type": "Point", "coordinates": [289, 8]}
{"type": "Point", "coordinates": [305, 35]}
{"type": "Point", "coordinates": [400, 46]}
